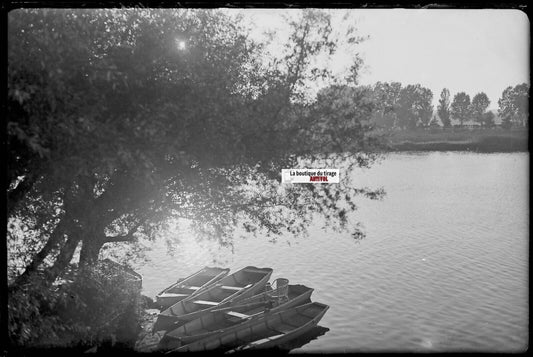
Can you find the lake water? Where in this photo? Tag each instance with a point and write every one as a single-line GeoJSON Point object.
{"type": "Point", "coordinates": [444, 265]}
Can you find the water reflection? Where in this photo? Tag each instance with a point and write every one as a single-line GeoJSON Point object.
{"type": "Point", "coordinates": [304, 339]}
{"type": "Point", "coordinates": [293, 344]}
{"type": "Point", "coordinates": [149, 343]}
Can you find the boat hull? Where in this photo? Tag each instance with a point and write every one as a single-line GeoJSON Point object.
{"type": "Point", "coordinates": [279, 340]}
{"type": "Point", "coordinates": [191, 285]}
{"type": "Point", "coordinates": [234, 287]}
{"type": "Point", "coordinates": [221, 321]}
{"type": "Point", "coordinates": [268, 331]}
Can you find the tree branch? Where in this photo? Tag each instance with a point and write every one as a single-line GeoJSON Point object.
{"type": "Point", "coordinates": [124, 238]}
{"type": "Point", "coordinates": [65, 256]}
{"type": "Point", "coordinates": [52, 242]}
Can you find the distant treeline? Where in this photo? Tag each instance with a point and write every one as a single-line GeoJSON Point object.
{"type": "Point", "coordinates": [409, 107]}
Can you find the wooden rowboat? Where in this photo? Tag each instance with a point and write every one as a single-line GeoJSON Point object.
{"type": "Point", "coordinates": [133, 278]}
{"type": "Point", "coordinates": [268, 331]}
{"type": "Point", "coordinates": [220, 320]}
{"type": "Point", "coordinates": [191, 285]}
{"type": "Point", "coordinates": [237, 286]}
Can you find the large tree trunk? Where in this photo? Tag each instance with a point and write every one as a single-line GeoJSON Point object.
{"type": "Point", "coordinates": [84, 221]}
{"type": "Point", "coordinates": [94, 232]}
{"type": "Point", "coordinates": [66, 226]}
{"type": "Point", "coordinates": [53, 241]}
{"type": "Point", "coordinates": [65, 256]}
{"type": "Point", "coordinates": [91, 249]}
{"type": "Point", "coordinates": [94, 242]}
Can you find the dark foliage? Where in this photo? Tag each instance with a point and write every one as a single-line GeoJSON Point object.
{"type": "Point", "coordinates": [89, 306]}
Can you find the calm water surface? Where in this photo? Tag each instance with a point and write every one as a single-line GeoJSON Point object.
{"type": "Point", "coordinates": [444, 266]}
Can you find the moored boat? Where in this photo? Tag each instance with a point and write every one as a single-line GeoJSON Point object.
{"type": "Point", "coordinates": [237, 286]}
{"type": "Point", "coordinates": [267, 331]}
{"type": "Point", "coordinates": [221, 320]}
{"type": "Point", "coordinates": [191, 285]}
{"type": "Point", "coordinates": [131, 276]}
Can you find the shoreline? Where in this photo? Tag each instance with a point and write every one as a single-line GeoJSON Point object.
{"type": "Point", "coordinates": [443, 146]}
{"type": "Point", "coordinates": [483, 141]}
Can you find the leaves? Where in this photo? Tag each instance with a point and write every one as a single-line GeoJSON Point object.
{"type": "Point", "coordinates": [514, 105]}
{"type": "Point", "coordinates": [76, 312]}
{"type": "Point", "coordinates": [121, 128]}
{"type": "Point", "coordinates": [460, 108]}
{"type": "Point", "coordinates": [414, 104]}
{"type": "Point", "coordinates": [443, 108]}
{"type": "Point", "coordinates": [479, 106]}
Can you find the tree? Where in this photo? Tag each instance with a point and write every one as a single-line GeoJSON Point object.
{"type": "Point", "coordinates": [113, 130]}
{"type": "Point", "coordinates": [479, 106]}
{"type": "Point", "coordinates": [506, 107]}
{"type": "Point", "coordinates": [443, 109]}
{"type": "Point", "coordinates": [386, 98]}
{"type": "Point", "coordinates": [521, 103]}
{"type": "Point", "coordinates": [414, 105]}
{"type": "Point", "coordinates": [488, 119]}
{"type": "Point", "coordinates": [460, 108]}
{"type": "Point", "coordinates": [406, 115]}
{"type": "Point", "coordinates": [513, 106]}
{"type": "Point", "coordinates": [424, 108]}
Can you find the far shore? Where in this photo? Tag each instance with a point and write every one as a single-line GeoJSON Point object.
{"type": "Point", "coordinates": [487, 140]}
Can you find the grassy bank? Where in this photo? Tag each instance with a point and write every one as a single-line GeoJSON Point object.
{"type": "Point", "coordinates": [453, 139]}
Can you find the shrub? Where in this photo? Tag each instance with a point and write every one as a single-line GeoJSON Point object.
{"type": "Point", "coordinates": [30, 313]}
{"type": "Point", "coordinates": [95, 305]}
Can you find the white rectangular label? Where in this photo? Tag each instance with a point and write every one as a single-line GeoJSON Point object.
{"type": "Point", "coordinates": [310, 175]}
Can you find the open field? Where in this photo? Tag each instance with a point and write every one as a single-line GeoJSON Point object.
{"type": "Point", "coordinates": [463, 139]}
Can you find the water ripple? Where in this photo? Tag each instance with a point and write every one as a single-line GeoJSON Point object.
{"type": "Point", "coordinates": [444, 266]}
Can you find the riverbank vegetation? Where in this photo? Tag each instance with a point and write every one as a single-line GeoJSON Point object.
{"type": "Point", "coordinates": [486, 140]}
{"type": "Point", "coordinates": [89, 306]}
{"type": "Point", "coordinates": [398, 107]}
{"type": "Point", "coordinates": [405, 118]}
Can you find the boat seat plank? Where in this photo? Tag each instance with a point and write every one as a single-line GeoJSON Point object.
{"type": "Point", "coordinates": [191, 287]}
{"type": "Point", "coordinates": [206, 302]}
{"type": "Point", "coordinates": [237, 314]}
{"type": "Point", "coordinates": [163, 295]}
{"type": "Point", "coordinates": [234, 288]}
{"type": "Point", "coordinates": [250, 270]}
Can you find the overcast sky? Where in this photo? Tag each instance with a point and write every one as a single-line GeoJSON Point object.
{"type": "Point", "coordinates": [462, 50]}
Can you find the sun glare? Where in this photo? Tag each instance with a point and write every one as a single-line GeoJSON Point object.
{"type": "Point", "coordinates": [181, 45]}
